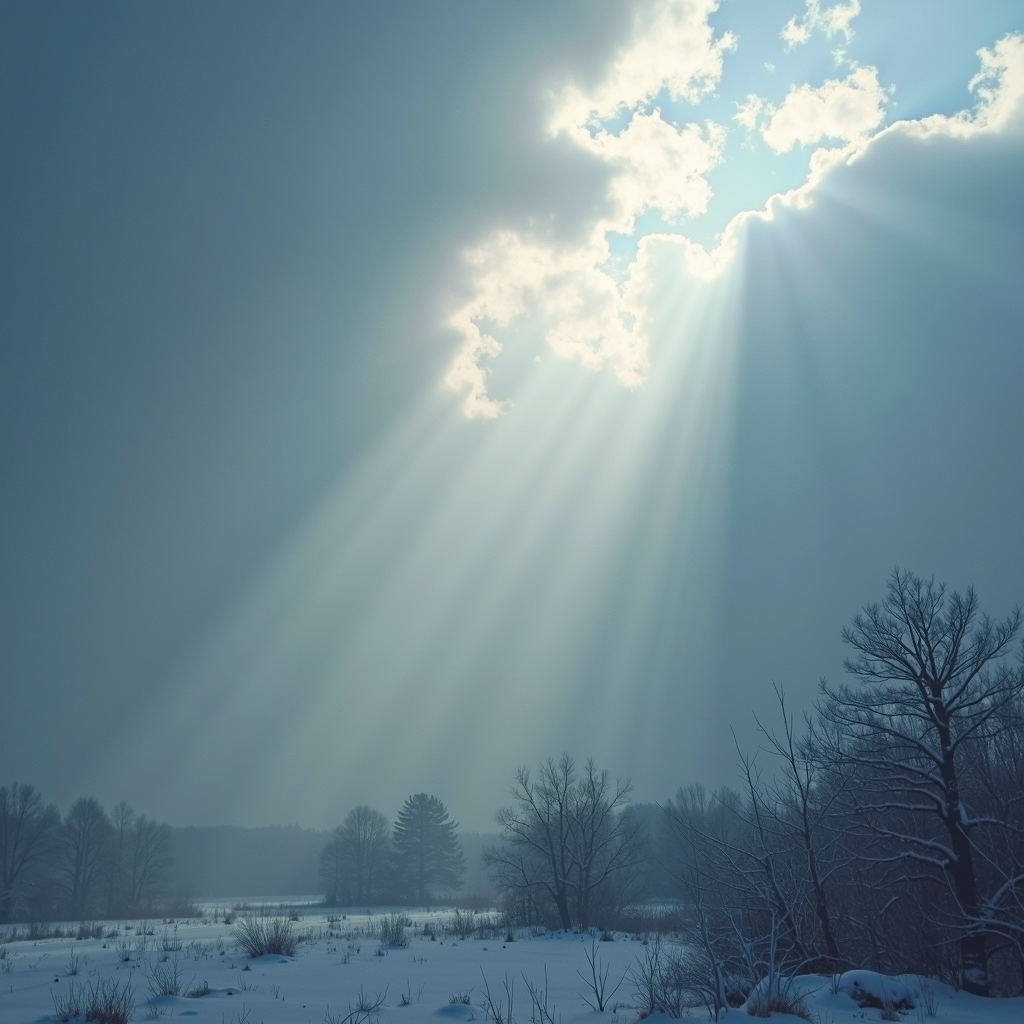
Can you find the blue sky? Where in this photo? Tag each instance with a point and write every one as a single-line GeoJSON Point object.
{"type": "Point", "coordinates": [392, 395]}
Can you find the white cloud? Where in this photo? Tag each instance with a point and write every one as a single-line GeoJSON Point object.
{"type": "Point", "coordinates": [587, 314]}
{"type": "Point", "coordinates": [748, 113]}
{"type": "Point", "coordinates": [659, 167]}
{"type": "Point", "coordinates": [829, 20]}
{"type": "Point", "coordinates": [673, 49]}
{"type": "Point", "coordinates": [846, 110]}
{"type": "Point", "coordinates": [581, 306]}
{"type": "Point", "coordinates": [999, 85]}
{"type": "Point", "coordinates": [599, 318]}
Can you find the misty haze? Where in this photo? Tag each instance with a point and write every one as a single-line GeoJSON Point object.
{"type": "Point", "coordinates": [511, 512]}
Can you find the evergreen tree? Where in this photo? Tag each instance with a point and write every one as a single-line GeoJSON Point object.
{"type": "Point", "coordinates": [426, 848]}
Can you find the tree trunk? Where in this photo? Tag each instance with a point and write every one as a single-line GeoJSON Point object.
{"type": "Point", "coordinates": [973, 947]}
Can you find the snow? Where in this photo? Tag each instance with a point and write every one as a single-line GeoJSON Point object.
{"type": "Point", "coordinates": [339, 961]}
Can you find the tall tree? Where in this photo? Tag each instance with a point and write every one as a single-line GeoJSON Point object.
{"type": "Point", "coordinates": [122, 819]}
{"type": "Point", "coordinates": [85, 848]}
{"type": "Point", "coordinates": [350, 865]}
{"type": "Point", "coordinates": [933, 680]}
{"type": "Point", "coordinates": [332, 871]}
{"type": "Point", "coordinates": [148, 862]}
{"type": "Point", "coordinates": [28, 828]}
{"type": "Point", "coordinates": [364, 836]}
{"type": "Point", "coordinates": [427, 853]}
{"type": "Point", "coordinates": [565, 836]}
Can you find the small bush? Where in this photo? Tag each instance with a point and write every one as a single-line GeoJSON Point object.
{"type": "Point", "coordinates": [169, 942]}
{"type": "Point", "coordinates": [105, 1002]}
{"type": "Point", "coordinates": [929, 1000]}
{"type": "Point", "coordinates": [392, 930]}
{"type": "Point", "coordinates": [257, 935]}
{"type": "Point", "coordinates": [165, 978]}
{"type": "Point", "coordinates": [462, 923]}
{"type": "Point", "coordinates": [67, 1007]}
{"type": "Point", "coordinates": [779, 1001]}
{"type": "Point", "coordinates": [365, 1008]}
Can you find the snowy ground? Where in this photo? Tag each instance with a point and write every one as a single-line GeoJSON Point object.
{"type": "Point", "coordinates": [340, 965]}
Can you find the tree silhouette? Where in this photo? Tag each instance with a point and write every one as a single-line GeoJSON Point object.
{"type": "Point", "coordinates": [565, 837]}
{"type": "Point", "coordinates": [428, 856]}
{"type": "Point", "coordinates": [933, 681]}
{"type": "Point", "coordinates": [85, 839]}
{"type": "Point", "coordinates": [27, 829]}
{"type": "Point", "coordinates": [350, 864]}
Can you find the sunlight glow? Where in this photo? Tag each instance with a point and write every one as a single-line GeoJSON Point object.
{"type": "Point", "coordinates": [591, 307]}
{"type": "Point", "coordinates": [461, 566]}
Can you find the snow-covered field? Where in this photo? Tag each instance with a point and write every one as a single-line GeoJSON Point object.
{"type": "Point", "coordinates": [341, 965]}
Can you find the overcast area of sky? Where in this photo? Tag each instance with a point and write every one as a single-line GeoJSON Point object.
{"type": "Point", "coordinates": [393, 394]}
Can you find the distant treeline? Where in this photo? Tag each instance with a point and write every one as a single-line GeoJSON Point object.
{"type": "Point", "coordinates": [91, 863]}
{"type": "Point", "coordinates": [83, 865]}
{"type": "Point", "coordinates": [884, 829]}
{"type": "Point", "coordinates": [230, 861]}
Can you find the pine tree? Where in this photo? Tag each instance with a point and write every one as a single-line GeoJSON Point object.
{"type": "Point", "coordinates": [427, 851]}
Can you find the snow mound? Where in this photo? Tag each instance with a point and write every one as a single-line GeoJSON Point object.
{"type": "Point", "coordinates": [869, 988]}
{"type": "Point", "coordinates": [455, 1011]}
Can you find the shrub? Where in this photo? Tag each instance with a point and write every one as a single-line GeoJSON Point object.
{"type": "Point", "coordinates": [257, 935]}
{"type": "Point", "coordinates": [165, 977]}
{"type": "Point", "coordinates": [392, 930]}
{"type": "Point", "coordinates": [198, 991]}
{"type": "Point", "coordinates": [780, 999]}
{"type": "Point", "coordinates": [462, 923]}
{"type": "Point", "coordinates": [105, 1002]}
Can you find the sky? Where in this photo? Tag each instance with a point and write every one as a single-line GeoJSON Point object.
{"type": "Point", "coordinates": [395, 394]}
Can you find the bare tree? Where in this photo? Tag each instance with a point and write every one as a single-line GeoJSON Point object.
{"type": "Point", "coordinates": [796, 809]}
{"type": "Point", "coordinates": [27, 830]}
{"type": "Point", "coordinates": [749, 904]}
{"type": "Point", "coordinates": [564, 836]}
{"type": "Point", "coordinates": [350, 864]}
{"type": "Point", "coordinates": [996, 794]}
{"type": "Point", "coordinates": [149, 860]}
{"type": "Point", "coordinates": [332, 870]}
{"type": "Point", "coordinates": [85, 845]}
{"type": "Point", "coordinates": [122, 818]}
{"type": "Point", "coordinates": [933, 681]}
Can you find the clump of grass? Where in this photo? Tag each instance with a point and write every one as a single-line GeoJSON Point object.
{"type": "Point", "coordinates": [392, 930]}
{"type": "Point", "coordinates": [257, 935]}
{"type": "Point", "coordinates": [104, 1002]}
{"type": "Point", "coordinates": [779, 1001]}
{"type": "Point", "coordinates": [165, 977]}
{"type": "Point", "coordinates": [462, 923]}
